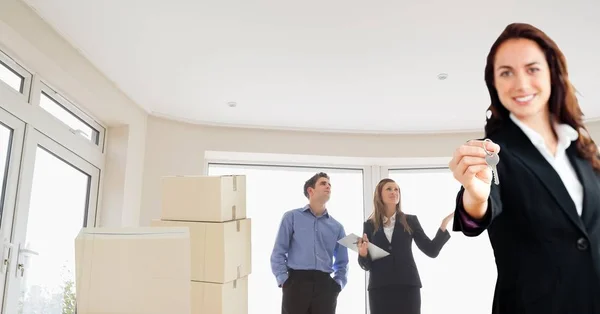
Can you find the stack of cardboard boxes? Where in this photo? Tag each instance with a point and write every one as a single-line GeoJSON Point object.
{"type": "Point", "coordinates": [214, 210]}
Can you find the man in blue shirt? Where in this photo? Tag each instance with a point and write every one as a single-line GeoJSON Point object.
{"type": "Point", "coordinates": [306, 252]}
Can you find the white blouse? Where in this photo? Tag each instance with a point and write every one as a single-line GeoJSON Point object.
{"type": "Point", "coordinates": [388, 228]}
{"type": "Point", "coordinates": [560, 161]}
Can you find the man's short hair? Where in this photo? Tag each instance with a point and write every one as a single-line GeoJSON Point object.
{"type": "Point", "coordinates": [312, 182]}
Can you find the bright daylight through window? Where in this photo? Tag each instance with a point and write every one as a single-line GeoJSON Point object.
{"type": "Point", "coordinates": [5, 142]}
{"type": "Point", "coordinates": [57, 110]}
{"type": "Point", "coordinates": [271, 191]}
{"type": "Point", "coordinates": [48, 191]}
{"type": "Point", "coordinates": [49, 284]}
{"type": "Point", "coordinates": [464, 262]}
{"type": "Point", "coordinates": [8, 76]}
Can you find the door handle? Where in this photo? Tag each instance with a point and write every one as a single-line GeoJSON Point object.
{"type": "Point", "coordinates": [21, 268]}
{"type": "Point", "coordinates": [23, 260]}
{"type": "Point", "coordinates": [6, 247]}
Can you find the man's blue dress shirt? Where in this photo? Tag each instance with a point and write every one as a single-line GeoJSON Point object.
{"type": "Point", "coordinates": [308, 242]}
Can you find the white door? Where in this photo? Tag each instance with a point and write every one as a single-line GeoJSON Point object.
{"type": "Point", "coordinates": [12, 131]}
{"type": "Point", "coordinates": [57, 195]}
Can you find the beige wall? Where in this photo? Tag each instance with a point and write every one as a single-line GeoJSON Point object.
{"type": "Point", "coordinates": [174, 148]}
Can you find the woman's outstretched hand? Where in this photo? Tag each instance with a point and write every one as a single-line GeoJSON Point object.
{"type": "Point", "coordinates": [446, 220]}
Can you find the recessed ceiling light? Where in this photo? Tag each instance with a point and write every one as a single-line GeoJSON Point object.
{"type": "Point", "coordinates": [442, 76]}
{"type": "Point", "coordinates": [232, 104]}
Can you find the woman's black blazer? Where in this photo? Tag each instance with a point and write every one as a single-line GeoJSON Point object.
{"type": "Point", "coordinates": [399, 267]}
{"type": "Point", "coordinates": [547, 256]}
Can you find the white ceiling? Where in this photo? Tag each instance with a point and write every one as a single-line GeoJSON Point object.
{"type": "Point", "coordinates": [356, 66]}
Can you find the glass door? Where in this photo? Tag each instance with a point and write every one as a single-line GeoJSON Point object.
{"type": "Point", "coordinates": [57, 197]}
{"type": "Point", "coordinates": [12, 131]}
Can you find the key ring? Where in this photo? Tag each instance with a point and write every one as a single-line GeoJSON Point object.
{"type": "Point", "coordinates": [485, 149]}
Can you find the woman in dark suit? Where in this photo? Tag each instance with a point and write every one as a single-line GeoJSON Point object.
{"type": "Point", "coordinates": [543, 219]}
{"type": "Point", "coordinates": [394, 282]}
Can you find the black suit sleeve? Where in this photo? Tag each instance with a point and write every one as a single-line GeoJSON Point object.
{"type": "Point", "coordinates": [429, 247]}
{"type": "Point", "coordinates": [365, 262]}
{"type": "Point", "coordinates": [472, 227]}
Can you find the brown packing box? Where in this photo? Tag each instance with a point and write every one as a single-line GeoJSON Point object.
{"type": "Point", "coordinates": [221, 252]}
{"type": "Point", "coordinates": [133, 270]}
{"type": "Point", "coordinates": [204, 198]}
{"type": "Point", "coordinates": [216, 298]}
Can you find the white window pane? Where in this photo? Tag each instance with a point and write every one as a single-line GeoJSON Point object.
{"type": "Point", "coordinates": [271, 191]}
{"type": "Point", "coordinates": [5, 142]}
{"type": "Point", "coordinates": [57, 211]}
{"type": "Point", "coordinates": [68, 118]}
{"type": "Point", "coordinates": [11, 78]}
{"type": "Point", "coordinates": [465, 270]}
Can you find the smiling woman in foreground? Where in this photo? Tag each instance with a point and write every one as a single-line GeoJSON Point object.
{"type": "Point", "coordinates": [543, 219]}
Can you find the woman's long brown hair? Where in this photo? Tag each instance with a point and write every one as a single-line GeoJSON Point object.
{"type": "Point", "coordinates": [376, 216]}
{"type": "Point", "coordinates": [563, 104]}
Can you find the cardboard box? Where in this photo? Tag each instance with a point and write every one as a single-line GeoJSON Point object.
{"type": "Point", "coordinates": [133, 271]}
{"type": "Point", "coordinates": [221, 252]}
{"type": "Point", "coordinates": [214, 298]}
{"type": "Point", "coordinates": [204, 198]}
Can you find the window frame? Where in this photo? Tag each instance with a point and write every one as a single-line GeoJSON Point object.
{"type": "Point", "coordinates": [55, 129]}
{"type": "Point", "coordinates": [16, 68]}
{"type": "Point", "coordinates": [41, 86]}
{"type": "Point", "coordinates": [37, 125]}
{"type": "Point", "coordinates": [26, 108]}
{"type": "Point", "coordinates": [289, 160]}
{"type": "Point", "coordinates": [291, 165]}
{"type": "Point", "coordinates": [374, 169]}
{"type": "Point", "coordinates": [33, 140]}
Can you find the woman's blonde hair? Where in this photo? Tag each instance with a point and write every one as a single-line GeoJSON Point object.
{"type": "Point", "coordinates": [376, 216]}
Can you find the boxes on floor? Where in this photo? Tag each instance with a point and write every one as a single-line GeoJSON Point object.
{"type": "Point", "coordinates": [220, 252]}
{"type": "Point", "coordinates": [218, 298]}
{"type": "Point", "coordinates": [203, 198]}
{"type": "Point", "coordinates": [133, 270]}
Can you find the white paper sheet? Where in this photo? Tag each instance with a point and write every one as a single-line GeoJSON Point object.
{"type": "Point", "coordinates": [375, 252]}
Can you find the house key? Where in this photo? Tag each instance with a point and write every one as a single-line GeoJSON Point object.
{"type": "Point", "coordinates": [492, 159]}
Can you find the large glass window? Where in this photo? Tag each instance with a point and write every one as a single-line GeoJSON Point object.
{"type": "Point", "coordinates": [63, 110]}
{"type": "Point", "coordinates": [463, 263]}
{"type": "Point", "coordinates": [49, 282]}
{"type": "Point", "coordinates": [271, 191]}
{"type": "Point", "coordinates": [49, 182]}
{"type": "Point", "coordinates": [50, 213]}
